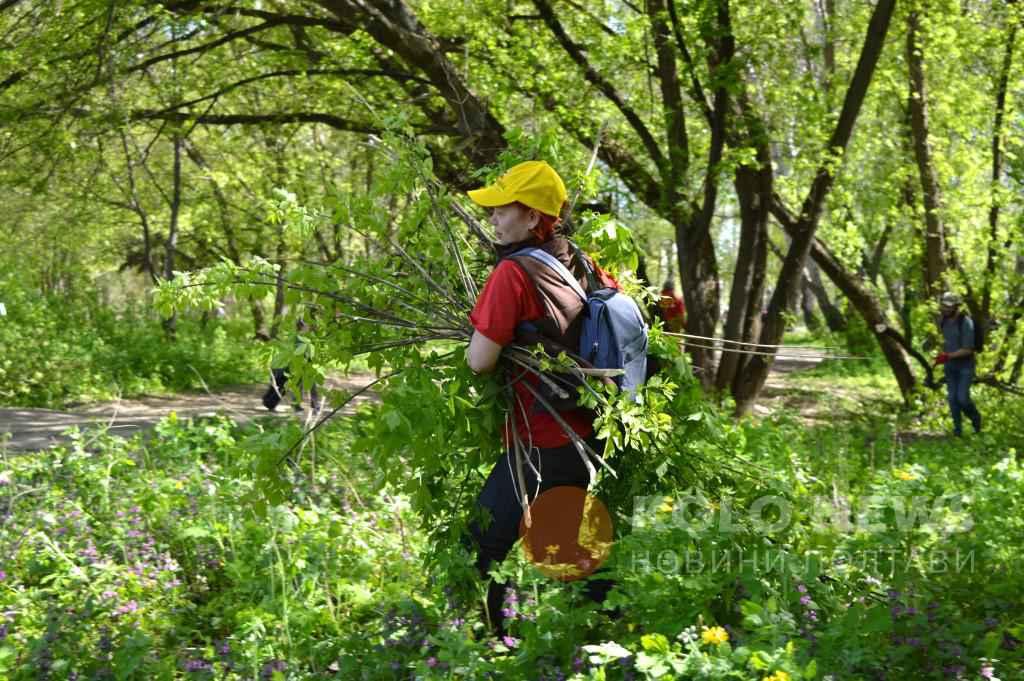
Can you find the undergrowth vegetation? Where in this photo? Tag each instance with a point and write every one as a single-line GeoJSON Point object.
{"type": "Point", "coordinates": [870, 546]}
{"type": "Point", "coordinates": [60, 352]}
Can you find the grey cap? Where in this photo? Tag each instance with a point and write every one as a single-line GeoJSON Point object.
{"type": "Point", "coordinates": [949, 299]}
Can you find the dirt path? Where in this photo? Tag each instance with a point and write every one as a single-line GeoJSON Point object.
{"type": "Point", "coordinates": [35, 429]}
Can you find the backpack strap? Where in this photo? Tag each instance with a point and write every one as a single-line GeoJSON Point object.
{"type": "Point", "coordinates": [963, 317]}
{"type": "Point", "coordinates": [554, 263]}
{"type": "Point", "coordinates": [592, 282]}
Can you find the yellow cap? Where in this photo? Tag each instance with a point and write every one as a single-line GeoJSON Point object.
{"type": "Point", "coordinates": [533, 183]}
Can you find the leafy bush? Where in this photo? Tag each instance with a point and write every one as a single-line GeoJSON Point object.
{"type": "Point", "coordinates": [172, 558]}
{"type": "Point", "coordinates": [60, 352]}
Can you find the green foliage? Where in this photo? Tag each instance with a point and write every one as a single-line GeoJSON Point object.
{"type": "Point", "coordinates": [147, 559]}
{"type": "Point", "coordinates": [64, 352]}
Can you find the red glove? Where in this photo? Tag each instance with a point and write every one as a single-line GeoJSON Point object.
{"type": "Point", "coordinates": [942, 358]}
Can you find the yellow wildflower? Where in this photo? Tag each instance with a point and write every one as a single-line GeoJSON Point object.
{"type": "Point", "coordinates": [714, 635]}
{"type": "Point", "coordinates": [904, 475]}
{"type": "Point", "coordinates": [777, 676]}
{"type": "Point", "coordinates": [552, 549]}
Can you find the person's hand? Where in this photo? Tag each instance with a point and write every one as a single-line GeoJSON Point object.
{"type": "Point", "coordinates": [942, 358]}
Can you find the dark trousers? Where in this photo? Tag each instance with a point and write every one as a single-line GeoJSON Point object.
{"type": "Point", "coordinates": [958, 393]}
{"type": "Point", "coordinates": [499, 503]}
{"type": "Point", "coordinates": [278, 387]}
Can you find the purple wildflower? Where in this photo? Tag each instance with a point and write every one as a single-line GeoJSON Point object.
{"type": "Point", "coordinates": [3, 575]}
{"type": "Point", "coordinates": [510, 641]}
{"type": "Point", "coordinates": [801, 588]}
{"type": "Point", "coordinates": [431, 661]}
{"type": "Point", "coordinates": [199, 665]}
{"type": "Point", "coordinates": [987, 671]}
{"type": "Point", "coordinates": [267, 672]}
{"type": "Point", "coordinates": [130, 606]}
{"type": "Point", "coordinates": [805, 600]}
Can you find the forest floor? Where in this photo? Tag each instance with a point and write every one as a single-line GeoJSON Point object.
{"type": "Point", "coordinates": [35, 429]}
{"type": "Point", "coordinates": [811, 400]}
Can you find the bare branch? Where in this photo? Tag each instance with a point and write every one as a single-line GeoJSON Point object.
{"type": "Point", "coordinates": [578, 54]}
{"type": "Point", "coordinates": [331, 120]}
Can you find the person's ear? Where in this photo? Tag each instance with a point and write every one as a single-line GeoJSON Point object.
{"type": "Point", "coordinates": [533, 217]}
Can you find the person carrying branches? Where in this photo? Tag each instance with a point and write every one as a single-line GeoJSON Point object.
{"type": "Point", "coordinates": [523, 302]}
{"type": "Point", "coordinates": [958, 359]}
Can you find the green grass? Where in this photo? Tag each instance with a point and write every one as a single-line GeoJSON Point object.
{"type": "Point", "coordinates": [197, 554]}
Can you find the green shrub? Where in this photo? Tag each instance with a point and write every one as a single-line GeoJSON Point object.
{"type": "Point", "coordinates": [59, 352]}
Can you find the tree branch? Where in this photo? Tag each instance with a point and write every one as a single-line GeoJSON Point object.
{"type": "Point", "coordinates": [672, 101]}
{"type": "Point", "coordinates": [874, 41]}
{"type": "Point", "coordinates": [577, 54]}
{"type": "Point", "coordinates": [696, 89]}
{"type": "Point", "coordinates": [330, 120]}
{"type": "Point", "coordinates": [396, 75]}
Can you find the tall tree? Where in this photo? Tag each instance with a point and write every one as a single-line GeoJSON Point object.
{"type": "Point", "coordinates": [802, 232]}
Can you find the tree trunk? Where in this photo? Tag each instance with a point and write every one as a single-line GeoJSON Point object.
{"type": "Point", "coordinates": [900, 299]}
{"type": "Point", "coordinates": [170, 248]}
{"type": "Point", "coordinates": [698, 271]}
{"type": "Point", "coordinates": [748, 280]}
{"type": "Point", "coordinates": [863, 300]}
{"type": "Point", "coordinates": [997, 176]}
{"type": "Point", "coordinates": [259, 320]}
{"type": "Point", "coordinates": [755, 373]}
{"type": "Point", "coordinates": [935, 238]}
{"type": "Point", "coordinates": [807, 306]}
{"type": "Point", "coordinates": [279, 294]}
{"type": "Point", "coordinates": [835, 320]}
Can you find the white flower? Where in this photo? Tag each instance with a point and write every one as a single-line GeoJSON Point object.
{"type": "Point", "coordinates": [688, 635]}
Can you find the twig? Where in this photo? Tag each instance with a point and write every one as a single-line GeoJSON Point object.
{"type": "Point", "coordinates": [580, 443]}
{"type": "Point", "coordinates": [334, 411]}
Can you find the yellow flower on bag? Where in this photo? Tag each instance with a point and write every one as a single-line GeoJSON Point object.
{"type": "Point", "coordinates": [714, 635]}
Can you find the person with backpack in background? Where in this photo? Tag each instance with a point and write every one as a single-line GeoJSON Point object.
{"type": "Point", "coordinates": [960, 341]}
{"type": "Point", "coordinates": [534, 294]}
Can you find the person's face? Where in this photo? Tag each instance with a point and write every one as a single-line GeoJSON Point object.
{"type": "Point", "coordinates": [512, 223]}
{"type": "Point", "coordinates": [948, 310]}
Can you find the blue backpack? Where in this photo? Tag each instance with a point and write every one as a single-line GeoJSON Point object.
{"type": "Point", "coordinates": [613, 334]}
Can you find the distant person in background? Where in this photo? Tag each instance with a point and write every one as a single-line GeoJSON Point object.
{"type": "Point", "coordinates": [957, 357]}
{"type": "Point", "coordinates": [673, 311]}
{"type": "Point", "coordinates": [279, 381]}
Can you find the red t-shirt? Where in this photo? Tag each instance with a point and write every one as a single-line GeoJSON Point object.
{"type": "Point", "coordinates": [671, 306]}
{"type": "Point", "coordinates": [509, 297]}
